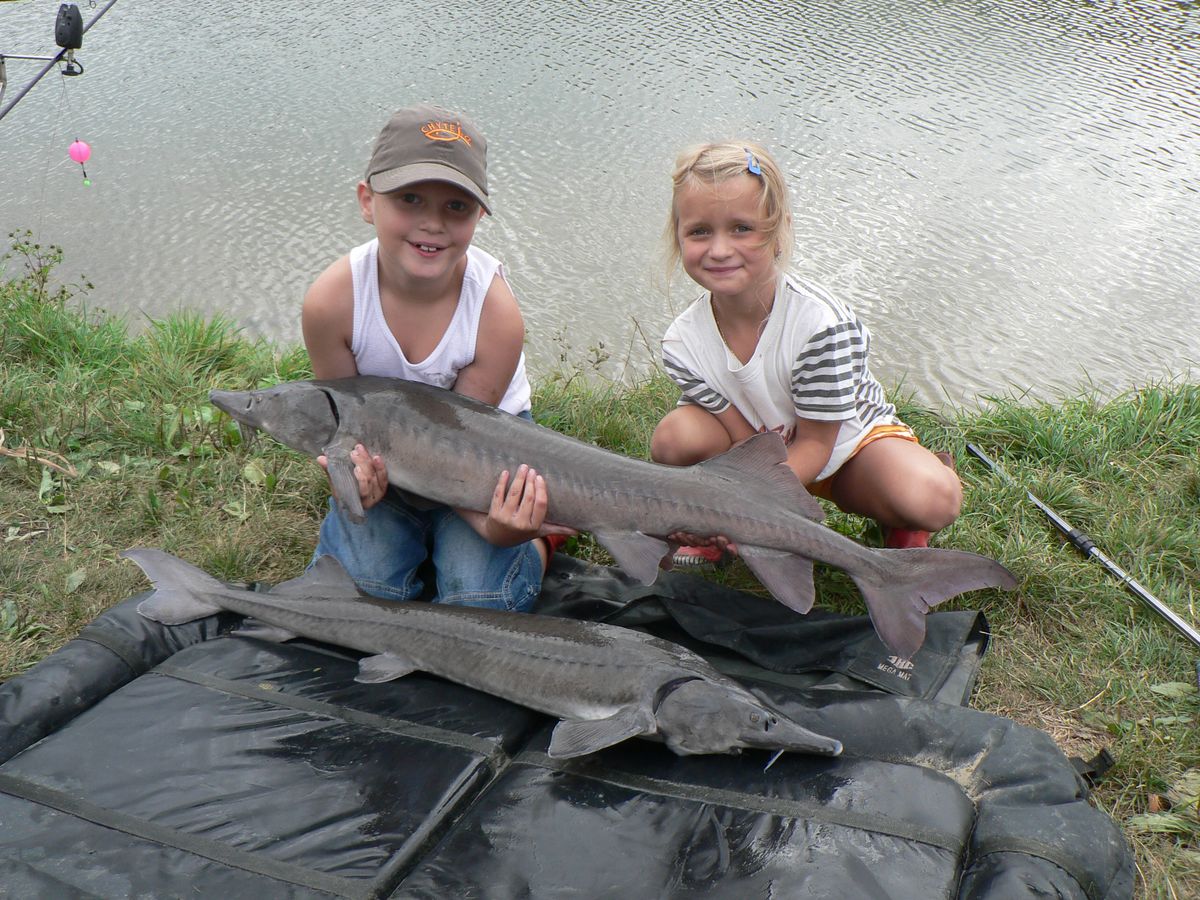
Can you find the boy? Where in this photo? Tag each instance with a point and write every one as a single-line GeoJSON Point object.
{"type": "Point", "coordinates": [420, 302]}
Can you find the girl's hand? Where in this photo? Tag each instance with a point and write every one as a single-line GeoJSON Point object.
{"type": "Point", "coordinates": [369, 471]}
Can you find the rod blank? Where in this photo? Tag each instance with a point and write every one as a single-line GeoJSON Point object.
{"type": "Point", "coordinates": [1086, 546]}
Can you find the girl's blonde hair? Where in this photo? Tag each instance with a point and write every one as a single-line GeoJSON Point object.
{"type": "Point", "coordinates": [718, 162]}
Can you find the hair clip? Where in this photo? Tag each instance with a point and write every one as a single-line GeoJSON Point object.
{"type": "Point", "coordinates": [752, 165]}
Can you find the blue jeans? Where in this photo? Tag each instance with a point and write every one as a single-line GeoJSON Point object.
{"type": "Point", "coordinates": [384, 556]}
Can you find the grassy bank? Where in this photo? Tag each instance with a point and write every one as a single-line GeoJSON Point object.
{"type": "Point", "coordinates": [109, 442]}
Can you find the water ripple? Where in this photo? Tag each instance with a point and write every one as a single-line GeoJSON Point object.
{"type": "Point", "coordinates": [1006, 191]}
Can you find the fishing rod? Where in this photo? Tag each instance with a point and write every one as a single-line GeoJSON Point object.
{"type": "Point", "coordinates": [1085, 544]}
{"type": "Point", "coordinates": [69, 30]}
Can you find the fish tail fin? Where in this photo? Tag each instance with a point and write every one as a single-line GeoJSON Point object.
{"type": "Point", "coordinates": [917, 580]}
{"type": "Point", "coordinates": [179, 587]}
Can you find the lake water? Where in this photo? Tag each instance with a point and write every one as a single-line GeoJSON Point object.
{"type": "Point", "coordinates": [1006, 192]}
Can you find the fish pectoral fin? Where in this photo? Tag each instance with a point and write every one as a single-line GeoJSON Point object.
{"type": "Point", "coordinates": [640, 555]}
{"type": "Point", "coordinates": [344, 484]}
{"type": "Point", "coordinates": [576, 737]}
{"type": "Point", "coordinates": [252, 628]}
{"type": "Point", "coordinates": [787, 576]}
{"type": "Point", "coordinates": [383, 667]}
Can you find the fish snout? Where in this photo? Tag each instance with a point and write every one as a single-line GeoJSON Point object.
{"type": "Point", "coordinates": [235, 403]}
{"type": "Point", "coordinates": [781, 733]}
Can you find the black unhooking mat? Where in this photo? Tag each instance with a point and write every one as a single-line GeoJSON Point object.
{"type": "Point", "coordinates": [142, 761]}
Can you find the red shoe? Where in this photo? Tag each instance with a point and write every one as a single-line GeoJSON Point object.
{"type": "Point", "coordinates": [904, 538]}
{"type": "Point", "coordinates": [554, 543]}
{"type": "Point", "coordinates": [696, 557]}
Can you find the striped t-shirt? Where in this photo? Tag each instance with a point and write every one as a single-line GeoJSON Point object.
{"type": "Point", "coordinates": [810, 363]}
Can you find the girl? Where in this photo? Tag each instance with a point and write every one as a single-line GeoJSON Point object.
{"type": "Point", "coordinates": [763, 351]}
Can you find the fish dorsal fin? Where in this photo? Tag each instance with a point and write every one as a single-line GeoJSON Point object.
{"type": "Point", "coordinates": [323, 580]}
{"type": "Point", "coordinates": [575, 737]}
{"type": "Point", "coordinates": [764, 456]}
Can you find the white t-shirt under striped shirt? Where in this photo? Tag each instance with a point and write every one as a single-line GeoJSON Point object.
{"type": "Point", "coordinates": [810, 363]}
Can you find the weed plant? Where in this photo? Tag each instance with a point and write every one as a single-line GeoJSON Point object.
{"type": "Point", "coordinates": [108, 442]}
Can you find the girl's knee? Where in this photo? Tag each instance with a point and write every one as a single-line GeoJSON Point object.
{"type": "Point", "coordinates": [666, 445]}
{"type": "Point", "coordinates": [940, 500]}
{"type": "Point", "coordinates": [915, 497]}
{"type": "Point", "coordinates": [687, 435]}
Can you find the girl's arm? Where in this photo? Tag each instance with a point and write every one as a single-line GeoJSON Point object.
{"type": "Point", "coordinates": [811, 448]}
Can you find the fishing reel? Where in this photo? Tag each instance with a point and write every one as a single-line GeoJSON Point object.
{"type": "Point", "coordinates": [68, 34]}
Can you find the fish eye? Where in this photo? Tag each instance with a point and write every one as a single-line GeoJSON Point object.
{"type": "Point", "coordinates": [754, 717]}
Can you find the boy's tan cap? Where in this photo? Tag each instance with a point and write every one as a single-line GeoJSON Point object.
{"type": "Point", "coordinates": [428, 143]}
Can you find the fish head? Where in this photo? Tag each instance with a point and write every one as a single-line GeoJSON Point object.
{"type": "Point", "coordinates": [301, 414]}
{"type": "Point", "coordinates": [703, 716]}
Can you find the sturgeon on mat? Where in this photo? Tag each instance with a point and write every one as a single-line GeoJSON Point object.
{"type": "Point", "coordinates": [605, 682]}
{"type": "Point", "coordinates": [451, 449]}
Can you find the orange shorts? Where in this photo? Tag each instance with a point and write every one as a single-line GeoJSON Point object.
{"type": "Point", "coordinates": [824, 487]}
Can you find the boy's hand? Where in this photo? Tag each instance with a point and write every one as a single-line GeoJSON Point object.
{"type": "Point", "coordinates": [518, 510]}
{"type": "Point", "coordinates": [369, 471]}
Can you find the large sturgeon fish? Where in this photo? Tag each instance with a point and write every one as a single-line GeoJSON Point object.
{"type": "Point", "coordinates": [451, 449]}
{"type": "Point", "coordinates": [606, 683]}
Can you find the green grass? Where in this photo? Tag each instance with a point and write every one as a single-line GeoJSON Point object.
{"type": "Point", "coordinates": [117, 446]}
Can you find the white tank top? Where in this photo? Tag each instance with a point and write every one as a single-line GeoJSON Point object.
{"type": "Point", "coordinates": [377, 352]}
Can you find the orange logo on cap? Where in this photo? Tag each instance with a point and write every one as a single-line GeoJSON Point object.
{"type": "Point", "coordinates": [445, 131]}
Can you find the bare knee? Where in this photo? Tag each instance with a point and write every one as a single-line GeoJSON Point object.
{"type": "Point", "coordinates": [940, 500]}
{"type": "Point", "coordinates": [899, 486]}
{"type": "Point", "coordinates": [687, 435]}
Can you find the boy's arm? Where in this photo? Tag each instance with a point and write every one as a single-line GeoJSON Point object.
{"type": "Point", "coordinates": [497, 346]}
{"type": "Point", "coordinates": [327, 321]}
{"type": "Point", "coordinates": [518, 510]}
